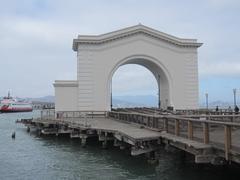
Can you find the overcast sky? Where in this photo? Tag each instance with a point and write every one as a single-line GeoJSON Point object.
{"type": "Point", "coordinates": [36, 41]}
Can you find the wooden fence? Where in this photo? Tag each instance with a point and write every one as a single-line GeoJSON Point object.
{"type": "Point", "coordinates": [185, 126]}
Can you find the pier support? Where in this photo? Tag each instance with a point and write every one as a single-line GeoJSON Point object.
{"type": "Point", "coordinates": [122, 146]}
{"type": "Point", "coordinates": [104, 144]}
{"type": "Point", "coordinates": [83, 138]}
{"type": "Point", "coordinates": [116, 143]}
{"type": "Point", "coordinates": [152, 158]}
{"type": "Point", "coordinates": [105, 137]}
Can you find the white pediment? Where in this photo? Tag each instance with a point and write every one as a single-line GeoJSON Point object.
{"type": "Point", "coordinates": [133, 30]}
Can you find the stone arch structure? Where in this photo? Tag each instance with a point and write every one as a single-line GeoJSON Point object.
{"type": "Point", "coordinates": [172, 60]}
{"type": "Point", "coordinates": [155, 66]}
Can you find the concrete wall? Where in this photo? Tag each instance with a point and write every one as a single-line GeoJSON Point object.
{"type": "Point", "coordinates": [179, 87]}
{"type": "Point", "coordinates": [66, 95]}
{"type": "Point", "coordinates": [172, 59]}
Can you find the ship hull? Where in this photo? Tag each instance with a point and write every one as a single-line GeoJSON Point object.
{"type": "Point", "coordinates": [8, 105]}
{"type": "Point", "coordinates": [15, 110]}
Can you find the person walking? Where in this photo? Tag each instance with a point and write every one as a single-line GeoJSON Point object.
{"type": "Point", "coordinates": [236, 109]}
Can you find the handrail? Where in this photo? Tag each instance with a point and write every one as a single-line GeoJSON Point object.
{"type": "Point", "coordinates": [158, 122]}
{"type": "Point", "coordinates": [183, 118]}
{"type": "Point", "coordinates": [190, 131]}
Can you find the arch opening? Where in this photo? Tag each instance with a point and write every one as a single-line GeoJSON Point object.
{"type": "Point", "coordinates": [158, 71]}
{"type": "Point", "coordinates": [134, 86]}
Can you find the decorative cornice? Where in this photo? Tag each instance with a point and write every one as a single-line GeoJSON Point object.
{"type": "Point", "coordinates": [65, 83]}
{"type": "Point", "coordinates": [134, 30]}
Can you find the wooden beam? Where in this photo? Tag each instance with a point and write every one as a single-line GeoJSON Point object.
{"type": "Point", "coordinates": [206, 133]}
{"type": "Point", "coordinates": [166, 124]}
{"type": "Point", "coordinates": [176, 127]}
{"type": "Point", "coordinates": [227, 140]}
{"type": "Point", "coordinates": [190, 130]}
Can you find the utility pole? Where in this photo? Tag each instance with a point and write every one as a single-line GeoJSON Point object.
{"type": "Point", "coordinates": [206, 100]}
{"type": "Point", "coordinates": [234, 97]}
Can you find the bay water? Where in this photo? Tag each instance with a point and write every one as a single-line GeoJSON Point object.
{"type": "Point", "coordinates": [33, 157]}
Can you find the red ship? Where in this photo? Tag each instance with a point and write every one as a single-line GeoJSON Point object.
{"type": "Point", "coordinates": [9, 104]}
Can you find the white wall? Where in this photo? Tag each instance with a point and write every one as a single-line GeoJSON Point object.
{"type": "Point", "coordinates": [98, 57]}
{"type": "Point", "coordinates": [66, 95]}
{"type": "Point", "coordinates": [98, 61]}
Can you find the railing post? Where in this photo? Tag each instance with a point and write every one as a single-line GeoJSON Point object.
{"type": "Point", "coordinates": [190, 130]}
{"type": "Point", "coordinates": [227, 140]}
{"type": "Point", "coordinates": [206, 133]}
{"type": "Point", "coordinates": [166, 124]}
{"type": "Point", "coordinates": [176, 127]}
{"type": "Point", "coordinates": [157, 122]}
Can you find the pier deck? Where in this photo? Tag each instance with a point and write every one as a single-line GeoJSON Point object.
{"type": "Point", "coordinates": [211, 139]}
{"type": "Point", "coordinates": [107, 125]}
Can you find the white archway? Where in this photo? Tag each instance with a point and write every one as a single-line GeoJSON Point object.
{"type": "Point", "coordinates": [171, 59]}
{"type": "Point", "coordinates": [155, 66]}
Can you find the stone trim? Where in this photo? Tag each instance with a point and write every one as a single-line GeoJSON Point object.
{"type": "Point", "coordinates": [139, 29]}
{"type": "Point", "coordinates": [65, 83]}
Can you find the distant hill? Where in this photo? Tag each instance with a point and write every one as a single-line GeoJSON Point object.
{"type": "Point", "coordinates": [135, 101]}
{"type": "Point", "coordinates": [220, 104]}
{"type": "Point", "coordinates": [140, 101]}
{"type": "Point", "coordinates": [44, 99]}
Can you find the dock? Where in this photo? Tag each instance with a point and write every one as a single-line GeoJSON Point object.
{"type": "Point", "coordinates": [210, 137]}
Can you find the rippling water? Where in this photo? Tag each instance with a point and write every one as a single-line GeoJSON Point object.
{"type": "Point", "coordinates": [32, 157]}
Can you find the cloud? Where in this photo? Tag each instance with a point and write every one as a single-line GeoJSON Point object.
{"type": "Point", "coordinates": [220, 69]}
{"type": "Point", "coordinates": [220, 4]}
{"type": "Point", "coordinates": [36, 37]}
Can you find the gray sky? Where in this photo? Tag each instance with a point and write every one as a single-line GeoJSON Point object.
{"type": "Point", "coordinates": [36, 40]}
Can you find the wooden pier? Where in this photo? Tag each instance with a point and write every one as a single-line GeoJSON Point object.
{"type": "Point", "coordinates": [211, 138]}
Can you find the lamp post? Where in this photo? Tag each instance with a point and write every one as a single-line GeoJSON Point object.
{"type": "Point", "coordinates": [234, 97]}
{"type": "Point", "coordinates": [206, 100]}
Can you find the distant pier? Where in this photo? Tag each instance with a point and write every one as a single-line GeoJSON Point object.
{"type": "Point", "coordinates": [212, 137]}
{"type": "Point", "coordinates": [38, 105]}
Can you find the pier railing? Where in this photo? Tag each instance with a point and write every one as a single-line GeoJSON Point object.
{"type": "Point", "coordinates": [151, 110]}
{"type": "Point", "coordinates": [221, 131]}
{"type": "Point", "coordinates": [222, 118]}
{"type": "Point", "coordinates": [51, 114]}
{"type": "Point", "coordinates": [205, 111]}
{"type": "Point", "coordinates": [209, 131]}
{"type": "Point", "coordinates": [48, 114]}
{"type": "Point", "coordinates": [80, 114]}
